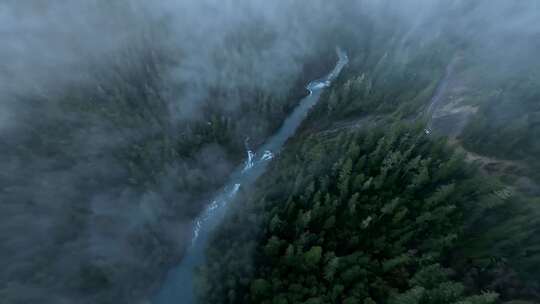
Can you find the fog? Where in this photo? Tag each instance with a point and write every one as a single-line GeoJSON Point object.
{"type": "Point", "coordinates": [87, 84]}
{"type": "Point", "coordinates": [74, 77]}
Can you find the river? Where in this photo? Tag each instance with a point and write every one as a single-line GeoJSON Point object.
{"type": "Point", "coordinates": [178, 285]}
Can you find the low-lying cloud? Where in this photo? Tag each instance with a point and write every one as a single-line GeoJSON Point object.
{"type": "Point", "coordinates": [69, 210]}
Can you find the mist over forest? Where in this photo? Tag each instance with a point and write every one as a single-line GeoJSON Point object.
{"type": "Point", "coordinates": [413, 179]}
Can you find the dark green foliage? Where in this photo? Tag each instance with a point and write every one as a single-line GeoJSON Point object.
{"type": "Point", "coordinates": [117, 172]}
{"type": "Point", "coordinates": [391, 72]}
{"type": "Point", "coordinates": [389, 217]}
{"type": "Point", "coordinates": [505, 84]}
{"type": "Point", "coordinates": [359, 218]}
{"type": "Point", "coordinates": [507, 124]}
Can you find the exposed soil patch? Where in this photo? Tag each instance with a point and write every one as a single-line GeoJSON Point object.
{"type": "Point", "coordinates": [450, 113]}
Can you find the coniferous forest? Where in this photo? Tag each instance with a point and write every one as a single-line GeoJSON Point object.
{"type": "Point", "coordinates": [412, 181]}
{"type": "Point", "coordinates": [366, 218]}
{"type": "Point", "coordinates": [412, 178]}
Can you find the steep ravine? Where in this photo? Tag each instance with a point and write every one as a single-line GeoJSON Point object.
{"type": "Point", "coordinates": [178, 285]}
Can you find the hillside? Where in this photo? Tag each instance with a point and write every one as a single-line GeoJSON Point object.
{"type": "Point", "coordinates": [412, 181]}
{"type": "Point", "coordinates": [407, 172]}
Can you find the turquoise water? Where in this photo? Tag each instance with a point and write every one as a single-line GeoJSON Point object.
{"type": "Point", "coordinates": [178, 285]}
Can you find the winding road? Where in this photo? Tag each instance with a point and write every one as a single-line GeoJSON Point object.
{"type": "Point", "coordinates": [439, 93]}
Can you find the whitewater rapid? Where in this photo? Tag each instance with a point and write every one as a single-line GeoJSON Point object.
{"type": "Point", "coordinates": [178, 285]}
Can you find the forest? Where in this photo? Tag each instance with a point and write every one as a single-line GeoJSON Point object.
{"type": "Point", "coordinates": [126, 146]}
{"type": "Point", "coordinates": [368, 217]}
{"type": "Point", "coordinates": [414, 179]}
{"type": "Point", "coordinates": [385, 194]}
{"type": "Point", "coordinates": [104, 172]}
